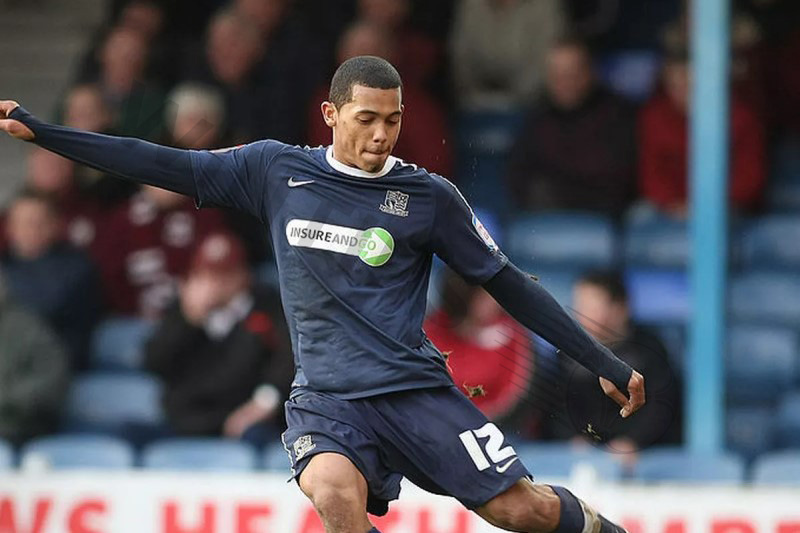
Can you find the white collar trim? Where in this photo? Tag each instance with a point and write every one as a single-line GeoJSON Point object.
{"type": "Point", "coordinates": [357, 172]}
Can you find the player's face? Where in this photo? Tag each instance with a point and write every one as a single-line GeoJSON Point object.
{"type": "Point", "coordinates": [365, 129]}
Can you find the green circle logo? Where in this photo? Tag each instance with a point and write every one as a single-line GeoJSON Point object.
{"type": "Point", "coordinates": [377, 246]}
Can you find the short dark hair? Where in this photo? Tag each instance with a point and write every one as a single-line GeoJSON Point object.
{"type": "Point", "coordinates": [611, 281]}
{"type": "Point", "coordinates": [369, 71]}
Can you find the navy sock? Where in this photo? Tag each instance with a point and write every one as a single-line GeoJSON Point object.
{"type": "Point", "coordinates": [373, 530]}
{"type": "Point", "coordinates": [571, 517]}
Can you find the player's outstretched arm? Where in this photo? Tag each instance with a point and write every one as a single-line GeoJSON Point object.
{"type": "Point", "coordinates": [531, 305]}
{"type": "Point", "coordinates": [130, 158]}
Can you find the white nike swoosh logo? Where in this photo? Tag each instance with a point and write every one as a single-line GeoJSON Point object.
{"type": "Point", "coordinates": [501, 469]}
{"type": "Point", "coordinates": [293, 183]}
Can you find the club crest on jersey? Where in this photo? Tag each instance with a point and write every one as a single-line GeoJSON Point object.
{"type": "Point", "coordinates": [302, 446]}
{"type": "Point", "coordinates": [396, 203]}
{"type": "Point", "coordinates": [484, 234]}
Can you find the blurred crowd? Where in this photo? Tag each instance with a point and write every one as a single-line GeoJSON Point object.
{"type": "Point", "coordinates": [592, 97]}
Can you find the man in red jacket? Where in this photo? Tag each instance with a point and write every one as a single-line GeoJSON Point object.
{"type": "Point", "coordinates": [663, 140]}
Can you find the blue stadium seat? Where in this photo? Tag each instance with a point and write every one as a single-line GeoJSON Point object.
{"type": "Point", "coordinates": [787, 421]}
{"type": "Point", "coordinates": [778, 468]}
{"type": "Point", "coordinates": [631, 73]}
{"type": "Point", "coordinates": [658, 296]}
{"type": "Point", "coordinates": [767, 297]}
{"type": "Point", "coordinates": [62, 452]}
{"type": "Point", "coordinates": [118, 343]}
{"type": "Point", "coordinates": [201, 454]}
{"type": "Point", "coordinates": [771, 242]}
{"type": "Point", "coordinates": [784, 195]}
{"type": "Point", "coordinates": [106, 402]}
{"type": "Point", "coordinates": [558, 239]}
{"type": "Point", "coordinates": [678, 465]}
{"type": "Point", "coordinates": [276, 459]}
{"type": "Point", "coordinates": [662, 244]}
{"type": "Point", "coordinates": [483, 142]}
{"type": "Point", "coordinates": [750, 430]}
{"type": "Point", "coordinates": [558, 460]}
{"type": "Point", "coordinates": [762, 362]}
{"type": "Point", "coordinates": [6, 455]}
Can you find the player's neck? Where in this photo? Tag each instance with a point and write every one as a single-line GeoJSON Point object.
{"type": "Point", "coordinates": [351, 170]}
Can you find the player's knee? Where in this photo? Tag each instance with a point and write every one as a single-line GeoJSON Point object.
{"type": "Point", "coordinates": [333, 501]}
{"type": "Point", "coordinates": [523, 507]}
{"type": "Point", "coordinates": [333, 484]}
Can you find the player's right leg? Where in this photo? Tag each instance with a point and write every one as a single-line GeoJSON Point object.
{"type": "Point", "coordinates": [338, 491]}
{"type": "Point", "coordinates": [537, 508]}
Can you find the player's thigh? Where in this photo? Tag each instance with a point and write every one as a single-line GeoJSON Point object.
{"type": "Point", "coordinates": [441, 442]}
{"type": "Point", "coordinates": [330, 475]}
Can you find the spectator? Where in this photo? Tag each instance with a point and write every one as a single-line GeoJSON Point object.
{"type": "Point", "coordinates": [489, 353]}
{"type": "Point", "coordinates": [498, 50]}
{"type": "Point", "coordinates": [136, 106]}
{"type": "Point", "coordinates": [147, 246]}
{"type": "Point", "coordinates": [86, 109]}
{"type": "Point", "coordinates": [148, 19]}
{"type": "Point", "coordinates": [416, 55]}
{"type": "Point", "coordinates": [663, 142]}
{"type": "Point", "coordinates": [196, 120]}
{"type": "Point", "coordinates": [601, 306]}
{"type": "Point", "coordinates": [265, 79]}
{"type": "Point", "coordinates": [48, 276]}
{"type": "Point", "coordinates": [195, 116]}
{"type": "Point", "coordinates": [82, 214]}
{"type": "Point", "coordinates": [222, 350]}
{"type": "Point", "coordinates": [577, 150]}
{"type": "Point", "coordinates": [34, 374]}
{"type": "Point", "coordinates": [425, 136]}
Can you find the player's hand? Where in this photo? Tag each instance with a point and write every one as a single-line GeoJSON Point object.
{"type": "Point", "coordinates": [15, 128]}
{"type": "Point", "coordinates": [635, 399]}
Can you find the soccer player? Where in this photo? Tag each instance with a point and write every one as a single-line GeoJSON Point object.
{"type": "Point", "coordinates": [354, 231]}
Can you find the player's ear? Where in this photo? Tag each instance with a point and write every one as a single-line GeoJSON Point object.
{"type": "Point", "coordinates": [329, 113]}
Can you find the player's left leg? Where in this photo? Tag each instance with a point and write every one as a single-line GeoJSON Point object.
{"type": "Point", "coordinates": [535, 508]}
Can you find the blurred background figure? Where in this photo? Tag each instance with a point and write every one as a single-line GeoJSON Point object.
{"type": "Point", "coordinates": [490, 355]}
{"type": "Point", "coordinates": [425, 138]}
{"type": "Point", "coordinates": [498, 50]}
{"type": "Point", "coordinates": [578, 148]}
{"type": "Point", "coordinates": [197, 120]}
{"type": "Point", "coordinates": [85, 108]}
{"type": "Point", "coordinates": [416, 55]}
{"type": "Point", "coordinates": [195, 117]}
{"type": "Point", "coordinates": [134, 101]}
{"type": "Point", "coordinates": [601, 307]}
{"type": "Point", "coordinates": [222, 350]}
{"type": "Point", "coordinates": [148, 245]}
{"type": "Point", "coordinates": [34, 373]}
{"type": "Point", "coordinates": [664, 145]}
{"type": "Point", "coordinates": [147, 18]}
{"type": "Point", "coordinates": [48, 276]}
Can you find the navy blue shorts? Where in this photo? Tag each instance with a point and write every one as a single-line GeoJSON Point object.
{"type": "Point", "coordinates": [435, 437]}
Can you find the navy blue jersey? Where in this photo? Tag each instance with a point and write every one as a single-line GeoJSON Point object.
{"type": "Point", "coordinates": [354, 252]}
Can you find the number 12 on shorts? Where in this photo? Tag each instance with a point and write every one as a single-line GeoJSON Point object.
{"type": "Point", "coordinates": [492, 449]}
